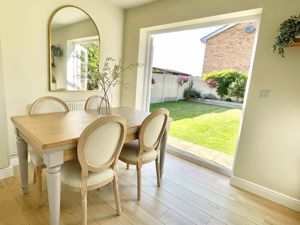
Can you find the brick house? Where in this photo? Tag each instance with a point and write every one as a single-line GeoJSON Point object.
{"type": "Point", "coordinates": [229, 47]}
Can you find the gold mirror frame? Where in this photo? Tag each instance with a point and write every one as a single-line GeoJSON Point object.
{"type": "Point", "coordinates": [49, 46]}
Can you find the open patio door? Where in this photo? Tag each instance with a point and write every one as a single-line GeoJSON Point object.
{"type": "Point", "coordinates": [149, 73]}
{"type": "Point", "coordinates": [206, 123]}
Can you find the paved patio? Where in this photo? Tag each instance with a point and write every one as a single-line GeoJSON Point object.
{"type": "Point", "coordinates": [202, 152]}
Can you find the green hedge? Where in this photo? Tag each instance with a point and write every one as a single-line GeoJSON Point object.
{"type": "Point", "coordinates": [225, 78]}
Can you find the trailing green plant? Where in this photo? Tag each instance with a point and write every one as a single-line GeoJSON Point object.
{"type": "Point", "coordinates": [288, 31]}
{"type": "Point", "coordinates": [190, 92]}
{"type": "Point", "coordinates": [224, 79]}
{"type": "Point", "coordinates": [237, 88]}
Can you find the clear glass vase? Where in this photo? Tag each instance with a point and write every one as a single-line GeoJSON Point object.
{"type": "Point", "coordinates": [104, 106]}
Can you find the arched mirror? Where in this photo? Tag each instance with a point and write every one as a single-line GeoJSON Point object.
{"type": "Point", "coordinates": [74, 50]}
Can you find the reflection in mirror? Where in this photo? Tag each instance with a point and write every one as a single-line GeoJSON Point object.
{"type": "Point", "coordinates": [74, 45]}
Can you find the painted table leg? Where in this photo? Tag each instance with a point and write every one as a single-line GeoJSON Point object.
{"type": "Point", "coordinates": [54, 188]}
{"type": "Point", "coordinates": [23, 162]}
{"type": "Point", "coordinates": [53, 161]}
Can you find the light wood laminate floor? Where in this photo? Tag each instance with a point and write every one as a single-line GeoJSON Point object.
{"type": "Point", "coordinates": [189, 195]}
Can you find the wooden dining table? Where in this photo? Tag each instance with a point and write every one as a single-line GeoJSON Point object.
{"type": "Point", "coordinates": [55, 135]}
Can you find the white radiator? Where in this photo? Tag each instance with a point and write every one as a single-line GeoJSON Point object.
{"type": "Point", "coordinates": [75, 105]}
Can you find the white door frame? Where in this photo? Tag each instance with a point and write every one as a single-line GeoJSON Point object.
{"type": "Point", "coordinates": [144, 74]}
{"type": "Point", "coordinates": [148, 79]}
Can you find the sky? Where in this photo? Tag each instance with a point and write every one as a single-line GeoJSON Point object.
{"type": "Point", "coordinates": [181, 51]}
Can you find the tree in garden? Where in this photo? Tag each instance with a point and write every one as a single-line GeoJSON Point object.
{"type": "Point", "coordinates": [237, 88]}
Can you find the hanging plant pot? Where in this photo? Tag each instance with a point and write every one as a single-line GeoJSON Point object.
{"type": "Point", "coordinates": [296, 43]}
{"type": "Point", "coordinates": [289, 33]}
{"type": "Point", "coordinates": [56, 52]}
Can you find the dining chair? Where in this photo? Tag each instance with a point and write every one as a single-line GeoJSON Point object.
{"type": "Point", "coordinates": [98, 150]}
{"type": "Point", "coordinates": [47, 104]}
{"type": "Point", "coordinates": [145, 149]}
{"type": "Point", "coordinates": [93, 102]}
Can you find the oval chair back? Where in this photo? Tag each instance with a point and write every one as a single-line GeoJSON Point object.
{"type": "Point", "coordinates": [48, 104]}
{"type": "Point", "coordinates": [152, 130]}
{"type": "Point", "coordinates": [100, 144]}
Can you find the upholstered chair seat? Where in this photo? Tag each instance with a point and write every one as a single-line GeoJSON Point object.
{"type": "Point", "coordinates": [130, 153]}
{"type": "Point", "coordinates": [71, 176]}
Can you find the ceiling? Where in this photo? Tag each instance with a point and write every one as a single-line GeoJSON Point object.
{"type": "Point", "coordinates": [70, 15]}
{"type": "Point", "coordinates": [126, 4]}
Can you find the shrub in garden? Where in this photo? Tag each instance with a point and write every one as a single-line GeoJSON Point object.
{"type": "Point", "coordinates": [224, 79]}
{"type": "Point", "coordinates": [209, 96]}
{"type": "Point", "coordinates": [228, 100]}
{"type": "Point", "coordinates": [237, 88]}
{"type": "Point", "coordinates": [190, 92]}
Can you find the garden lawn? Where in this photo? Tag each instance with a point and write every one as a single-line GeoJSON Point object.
{"type": "Point", "coordinates": [210, 126]}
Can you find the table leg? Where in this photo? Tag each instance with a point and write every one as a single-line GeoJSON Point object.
{"type": "Point", "coordinates": [53, 161]}
{"type": "Point", "coordinates": [54, 188]}
{"type": "Point", "coordinates": [22, 149]}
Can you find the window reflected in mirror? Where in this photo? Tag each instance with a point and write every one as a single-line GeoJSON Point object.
{"type": "Point", "coordinates": [74, 53]}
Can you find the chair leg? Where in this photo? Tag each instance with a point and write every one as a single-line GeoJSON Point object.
{"type": "Point", "coordinates": [84, 208]}
{"type": "Point", "coordinates": [39, 182]}
{"type": "Point", "coordinates": [127, 166]}
{"type": "Point", "coordinates": [157, 172]}
{"type": "Point", "coordinates": [117, 195]}
{"type": "Point", "coordinates": [139, 180]}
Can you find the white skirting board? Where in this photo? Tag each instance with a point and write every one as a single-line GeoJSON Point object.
{"type": "Point", "coordinates": [267, 193]}
{"type": "Point", "coordinates": [6, 172]}
{"type": "Point", "coordinates": [9, 171]}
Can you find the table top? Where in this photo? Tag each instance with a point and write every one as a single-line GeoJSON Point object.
{"type": "Point", "coordinates": [53, 130]}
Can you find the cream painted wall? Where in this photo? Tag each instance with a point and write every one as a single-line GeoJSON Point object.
{"type": "Point", "coordinates": [3, 121]}
{"type": "Point", "coordinates": [24, 50]}
{"type": "Point", "coordinates": [269, 148]}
